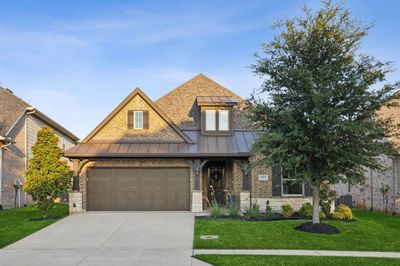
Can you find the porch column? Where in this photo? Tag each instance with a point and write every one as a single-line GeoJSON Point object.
{"type": "Point", "coordinates": [245, 194]}
{"type": "Point", "coordinates": [75, 196]}
{"type": "Point", "coordinates": [197, 194]}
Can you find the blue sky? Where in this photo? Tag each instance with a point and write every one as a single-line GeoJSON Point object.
{"type": "Point", "coordinates": [76, 60]}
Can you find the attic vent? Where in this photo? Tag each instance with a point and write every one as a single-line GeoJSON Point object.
{"type": "Point", "coordinates": [10, 91]}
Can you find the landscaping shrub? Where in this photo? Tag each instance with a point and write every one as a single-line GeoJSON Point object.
{"type": "Point", "coordinates": [327, 197]}
{"type": "Point", "coordinates": [287, 210]}
{"type": "Point", "coordinates": [253, 213]}
{"type": "Point", "coordinates": [306, 210]}
{"type": "Point", "coordinates": [326, 207]}
{"type": "Point", "coordinates": [343, 212]}
{"type": "Point", "coordinates": [322, 215]}
{"type": "Point", "coordinates": [233, 209]}
{"type": "Point", "coordinates": [217, 210]}
{"type": "Point", "coordinates": [268, 208]}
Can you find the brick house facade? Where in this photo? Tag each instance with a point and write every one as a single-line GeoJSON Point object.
{"type": "Point", "coordinates": [192, 145]}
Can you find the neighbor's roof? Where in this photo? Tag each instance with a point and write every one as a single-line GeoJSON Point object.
{"type": "Point", "coordinates": [12, 108]}
{"type": "Point", "coordinates": [216, 100]}
{"type": "Point", "coordinates": [238, 145]}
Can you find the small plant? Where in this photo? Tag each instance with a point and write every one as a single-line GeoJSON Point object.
{"type": "Point", "coordinates": [343, 212]}
{"type": "Point", "coordinates": [322, 215]}
{"type": "Point", "coordinates": [217, 210]}
{"type": "Point", "coordinates": [232, 206]}
{"type": "Point", "coordinates": [306, 210]}
{"type": "Point", "coordinates": [253, 212]}
{"type": "Point", "coordinates": [287, 210]}
{"type": "Point", "coordinates": [326, 207]}
{"type": "Point", "coordinates": [268, 208]}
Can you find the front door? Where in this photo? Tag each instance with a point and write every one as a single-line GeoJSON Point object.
{"type": "Point", "coordinates": [216, 177]}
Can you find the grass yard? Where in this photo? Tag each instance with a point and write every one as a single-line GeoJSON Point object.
{"type": "Point", "coordinates": [258, 260]}
{"type": "Point", "coordinates": [15, 224]}
{"type": "Point", "coordinates": [373, 231]}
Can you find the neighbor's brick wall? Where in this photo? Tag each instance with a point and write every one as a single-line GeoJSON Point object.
{"type": "Point", "coordinates": [180, 104]}
{"type": "Point", "coordinates": [132, 163]}
{"type": "Point", "coordinates": [362, 193]}
{"type": "Point", "coordinates": [116, 128]}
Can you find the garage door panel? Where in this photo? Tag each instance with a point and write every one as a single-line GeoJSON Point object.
{"type": "Point", "coordinates": [138, 189]}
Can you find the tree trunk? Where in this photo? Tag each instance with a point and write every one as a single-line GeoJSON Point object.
{"type": "Point", "coordinates": [315, 217]}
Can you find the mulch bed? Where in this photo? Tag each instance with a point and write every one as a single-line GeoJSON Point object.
{"type": "Point", "coordinates": [45, 218]}
{"type": "Point", "coordinates": [318, 228]}
{"type": "Point", "coordinates": [270, 217]}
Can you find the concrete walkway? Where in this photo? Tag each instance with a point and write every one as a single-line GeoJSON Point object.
{"type": "Point", "coordinates": [294, 252]}
{"type": "Point", "coordinates": [109, 238]}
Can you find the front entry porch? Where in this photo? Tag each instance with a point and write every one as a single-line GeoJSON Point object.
{"type": "Point", "coordinates": [221, 180]}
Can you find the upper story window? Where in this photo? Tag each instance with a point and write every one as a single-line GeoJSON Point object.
{"type": "Point", "coordinates": [216, 121]}
{"type": "Point", "coordinates": [291, 186]}
{"type": "Point", "coordinates": [211, 120]}
{"type": "Point", "coordinates": [138, 120]}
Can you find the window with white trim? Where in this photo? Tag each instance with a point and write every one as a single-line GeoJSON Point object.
{"type": "Point", "coordinates": [291, 186]}
{"type": "Point", "coordinates": [211, 120]}
{"type": "Point", "coordinates": [223, 119]}
{"type": "Point", "coordinates": [138, 120]}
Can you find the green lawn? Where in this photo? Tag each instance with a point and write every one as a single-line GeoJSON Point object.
{"type": "Point", "coordinates": [372, 231]}
{"type": "Point", "coordinates": [258, 260]}
{"type": "Point", "coordinates": [15, 224]}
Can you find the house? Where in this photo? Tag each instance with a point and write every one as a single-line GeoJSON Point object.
{"type": "Point", "coordinates": [380, 190]}
{"type": "Point", "coordinates": [19, 124]}
{"type": "Point", "coordinates": [192, 144]}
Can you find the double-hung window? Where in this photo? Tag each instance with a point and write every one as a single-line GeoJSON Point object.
{"type": "Point", "coordinates": [291, 186]}
{"type": "Point", "coordinates": [138, 120]}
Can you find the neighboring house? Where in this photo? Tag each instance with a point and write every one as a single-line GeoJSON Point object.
{"type": "Point", "coordinates": [381, 189]}
{"type": "Point", "coordinates": [191, 144]}
{"type": "Point", "coordinates": [19, 124]}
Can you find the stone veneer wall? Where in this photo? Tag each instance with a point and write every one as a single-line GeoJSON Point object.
{"type": "Point", "coordinates": [116, 128]}
{"type": "Point", "coordinates": [364, 198]}
{"type": "Point", "coordinates": [277, 202]}
{"type": "Point", "coordinates": [132, 163]}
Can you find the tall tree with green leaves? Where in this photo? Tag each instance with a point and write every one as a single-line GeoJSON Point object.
{"type": "Point", "coordinates": [318, 102]}
{"type": "Point", "coordinates": [48, 176]}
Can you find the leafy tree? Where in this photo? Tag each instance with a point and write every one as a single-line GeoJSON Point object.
{"type": "Point", "coordinates": [48, 177]}
{"type": "Point", "coordinates": [318, 102]}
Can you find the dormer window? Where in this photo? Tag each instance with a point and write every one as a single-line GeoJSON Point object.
{"type": "Point", "coordinates": [223, 120]}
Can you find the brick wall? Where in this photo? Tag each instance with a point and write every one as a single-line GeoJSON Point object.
{"type": "Point", "coordinates": [116, 128]}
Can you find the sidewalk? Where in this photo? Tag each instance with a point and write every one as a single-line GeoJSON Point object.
{"type": "Point", "coordinates": [298, 252]}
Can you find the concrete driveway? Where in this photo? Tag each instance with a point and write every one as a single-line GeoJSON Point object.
{"type": "Point", "coordinates": [108, 238]}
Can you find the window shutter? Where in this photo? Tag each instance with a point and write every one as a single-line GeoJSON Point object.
{"type": "Point", "coordinates": [276, 181]}
{"type": "Point", "coordinates": [130, 119]}
{"type": "Point", "coordinates": [145, 119]}
{"type": "Point", "coordinates": [307, 190]}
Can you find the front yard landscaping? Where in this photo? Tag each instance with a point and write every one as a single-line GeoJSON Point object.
{"type": "Point", "coordinates": [372, 231]}
{"type": "Point", "coordinates": [257, 260]}
{"type": "Point", "coordinates": [15, 224]}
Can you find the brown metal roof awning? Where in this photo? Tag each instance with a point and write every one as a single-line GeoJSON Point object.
{"type": "Point", "coordinates": [238, 145]}
{"type": "Point", "coordinates": [216, 100]}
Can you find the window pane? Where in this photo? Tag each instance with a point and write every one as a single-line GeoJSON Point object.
{"type": "Point", "coordinates": [223, 119]}
{"type": "Point", "coordinates": [138, 119]}
{"type": "Point", "coordinates": [292, 187]}
{"type": "Point", "coordinates": [210, 120]}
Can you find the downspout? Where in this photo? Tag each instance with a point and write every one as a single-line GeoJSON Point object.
{"type": "Point", "coordinates": [29, 111]}
{"type": "Point", "coordinates": [372, 191]}
{"type": "Point", "coordinates": [394, 186]}
{"type": "Point", "coordinates": [9, 142]}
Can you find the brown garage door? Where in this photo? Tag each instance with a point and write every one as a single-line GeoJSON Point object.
{"type": "Point", "coordinates": [138, 189]}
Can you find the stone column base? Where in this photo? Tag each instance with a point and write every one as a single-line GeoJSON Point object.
{"type": "Point", "coordinates": [245, 200]}
{"type": "Point", "coordinates": [75, 202]}
{"type": "Point", "coordinates": [197, 201]}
